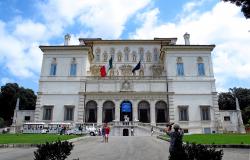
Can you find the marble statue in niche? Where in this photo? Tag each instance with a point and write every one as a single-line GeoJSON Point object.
{"type": "Point", "coordinates": [148, 56]}
{"type": "Point", "coordinates": [134, 56]}
{"type": "Point", "coordinates": [119, 57]}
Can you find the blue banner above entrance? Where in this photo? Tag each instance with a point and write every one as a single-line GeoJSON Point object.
{"type": "Point", "coordinates": [126, 107]}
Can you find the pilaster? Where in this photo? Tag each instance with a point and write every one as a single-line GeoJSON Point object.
{"type": "Point", "coordinates": [117, 110]}
{"type": "Point", "coordinates": [99, 113]}
{"type": "Point", "coordinates": [135, 110]}
{"type": "Point", "coordinates": [152, 112]}
{"type": "Point", "coordinates": [171, 108]}
{"type": "Point", "coordinates": [38, 110]}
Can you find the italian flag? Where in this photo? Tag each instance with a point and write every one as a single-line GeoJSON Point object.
{"type": "Point", "coordinates": [104, 69]}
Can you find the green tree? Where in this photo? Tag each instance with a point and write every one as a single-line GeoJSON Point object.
{"type": "Point", "coordinates": [246, 115]}
{"type": "Point", "coordinates": [226, 101]}
{"type": "Point", "coordinates": [8, 98]}
{"type": "Point", "coordinates": [244, 4]}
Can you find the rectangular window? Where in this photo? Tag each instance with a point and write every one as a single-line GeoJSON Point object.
{"type": "Point", "coordinates": [207, 130]}
{"type": "Point", "coordinates": [53, 69]}
{"type": "Point", "coordinates": [205, 113]}
{"type": "Point", "coordinates": [180, 69]}
{"type": "Point", "coordinates": [73, 69]}
{"type": "Point", "coordinates": [27, 118]}
{"type": "Point", "coordinates": [183, 113]}
{"type": "Point", "coordinates": [69, 113]}
{"type": "Point", "coordinates": [47, 112]}
{"type": "Point", "coordinates": [226, 118]}
{"type": "Point", "coordinates": [201, 69]}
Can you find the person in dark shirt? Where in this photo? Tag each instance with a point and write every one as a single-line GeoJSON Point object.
{"type": "Point", "coordinates": [175, 140]}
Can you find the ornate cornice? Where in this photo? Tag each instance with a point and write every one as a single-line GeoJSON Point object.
{"type": "Point", "coordinates": [188, 47]}
{"type": "Point", "coordinates": [70, 47]}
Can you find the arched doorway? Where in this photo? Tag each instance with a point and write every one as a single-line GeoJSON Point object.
{"type": "Point", "coordinates": [126, 111]}
{"type": "Point", "coordinates": [161, 112]}
{"type": "Point", "coordinates": [108, 112]}
{"type": "Point", "coordinates": [91, 112]}
{"type": "Point", "coordinates": [144, 112]}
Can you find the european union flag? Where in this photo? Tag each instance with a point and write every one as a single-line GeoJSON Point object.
{"type": "Point", "coordinates": [137, 67]}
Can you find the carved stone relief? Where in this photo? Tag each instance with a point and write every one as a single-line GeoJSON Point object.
{"type": "Point", "coordinates": [157, 70]}
{"type": "Point", "coordinates": [97, 50]}
{"type": "Point", "coordinates": [141, 72]}
{"type": "Point", "coordinates": [126, 70]}
{"type": "Point", "coordinates": [95, 70]}
{"type": "Point", "coordinates": [126, 50]}
{"type": "Point", "coordinates": [112, 51]}
{"type": "Point", "coordinates": [126, 85]}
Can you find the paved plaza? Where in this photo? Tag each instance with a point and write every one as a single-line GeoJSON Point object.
{"type": "Point", "coordinates": [119, 148]}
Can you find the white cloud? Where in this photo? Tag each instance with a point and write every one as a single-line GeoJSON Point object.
{"type": "Point", "coordinates": [105, 19]}
{"type": "Point", "coordinates": [21, 57]}
{"type": "Point", "coordinates": [190, 6]}
{"type": "Point", "coordinates": [19, 51]}
{"type": "Point", "coordinates": [31, 31]}
{"type": "Point", "coordinates": [224, 26]}
{"type": "Point", "coordinates": [5, 80]}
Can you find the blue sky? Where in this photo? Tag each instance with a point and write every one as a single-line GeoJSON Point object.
{"type": "Point", "coordinates": [24, 25]}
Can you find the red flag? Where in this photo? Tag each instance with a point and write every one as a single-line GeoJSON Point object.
{"type": "Point", "coordinates": [103, 71]}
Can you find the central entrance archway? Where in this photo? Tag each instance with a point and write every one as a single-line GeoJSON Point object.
{"type": "Point", "coordinates": [108, 114]}
{"type": "Point", "coordinates": [144, 112]}
{"type": "Point", "coordinates": [126, 111]}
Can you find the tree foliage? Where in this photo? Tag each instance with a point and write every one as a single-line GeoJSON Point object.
{"type": "Point", "coordinates": [197, 152]}
{"type": "Point", "coordinates": [53, 151]}
{"type": "Point", "coordinates": [244, 4]}
{"type": "Point", "coordinates": [8, 98]}
{"type": "Point", "coordinates": [226, 101]}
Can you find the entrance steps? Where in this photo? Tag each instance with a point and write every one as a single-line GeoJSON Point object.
{"type": "Point", "coordinates": [134, 129]}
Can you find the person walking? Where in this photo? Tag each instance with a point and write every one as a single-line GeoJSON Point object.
{"type": "Point", "coordinates": [175, 149]}
{"type": "Point", "coordinates": [132, 131]}
{"type": "Point", "coordinates": [107, 131]}
{"type": "Point", "coordinates": [152, 131]}
{"type": "Point", "coordinates": [103, 133]}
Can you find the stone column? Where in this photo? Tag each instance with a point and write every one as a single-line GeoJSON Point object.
{"type": "Point", "coordinates": [99, 113]}
{"type": "Point", "coordinates": [117, 110]}
{"type": "Point", "coordinates": [152, 112]}
{"type": "Point", "coordinates": [135, 110]}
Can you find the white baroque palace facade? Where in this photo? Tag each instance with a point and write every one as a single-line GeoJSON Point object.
{"type": "Point", "coordinates": [175, 83]}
